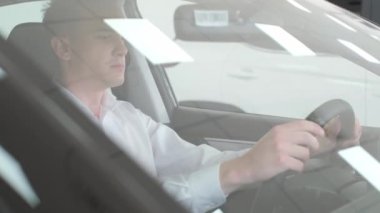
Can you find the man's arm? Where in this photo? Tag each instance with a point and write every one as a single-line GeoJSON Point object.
{"type": "Point", "coordinates": [201, 177]}
{"type": "Point", "coordinates": [189, 173]}
{"type": "Point", "coordinates": [285, 147]}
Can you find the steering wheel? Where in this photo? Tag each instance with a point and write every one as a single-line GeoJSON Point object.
{"type": "Point", "coordinates": [331, 109]}
{"type": "Point", "coordinates": [271, 193]}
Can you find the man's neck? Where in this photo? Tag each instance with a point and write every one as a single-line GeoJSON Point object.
{"type": "Point", "coordinates": [89, 96]}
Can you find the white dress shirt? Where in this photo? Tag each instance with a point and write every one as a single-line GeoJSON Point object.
{"type": "Point", "coordinates": [189, 173]}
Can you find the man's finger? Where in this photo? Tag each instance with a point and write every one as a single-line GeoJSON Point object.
{"type": "Point", "coordinates": [299, 152]}
{"type": "Point", "coordinates": [332, 128]}
{"type": "Point", "coordinates": [356, 137]}
{"type": "Point", "coordinates": [358, 130]}
{"type": "Point", "coordinates": [308, 126]}
{"type": "Point", "coordinates": [294, 164]}
{"type": "Point", "coordinates": [306, 139]}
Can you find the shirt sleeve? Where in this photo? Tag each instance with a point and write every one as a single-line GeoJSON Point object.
{"type": "Point", "coordinates": [189, 173]}
{"type": "Point", "coordinates": [198, 191]}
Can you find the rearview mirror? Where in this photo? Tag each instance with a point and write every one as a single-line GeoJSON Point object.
{"type": "Point", "coordinates": [212, 21]}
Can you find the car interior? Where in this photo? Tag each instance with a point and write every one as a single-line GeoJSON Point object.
{"type": "Point", "coordinates": [140, 87]}
{"type": "Point", "coordinates": [148, 89]}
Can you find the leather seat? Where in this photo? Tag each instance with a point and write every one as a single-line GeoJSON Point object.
{"type": "Point", "coordinates": [33, 39]}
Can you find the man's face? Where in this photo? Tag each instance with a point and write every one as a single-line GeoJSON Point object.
{"type": "Point", "coordinates": [90, 52]}
{"type": "Point", "coordinates": [97, 54]}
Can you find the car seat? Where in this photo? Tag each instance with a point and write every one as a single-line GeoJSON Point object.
{"type": "Point", "coordinates": [33, 40]}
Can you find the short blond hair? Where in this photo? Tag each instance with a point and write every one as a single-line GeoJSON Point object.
{"type": "Point", "coordinates": [59, 15]}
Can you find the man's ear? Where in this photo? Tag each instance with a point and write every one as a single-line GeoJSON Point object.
{"type": "Point", "coordinates": [61, 48]}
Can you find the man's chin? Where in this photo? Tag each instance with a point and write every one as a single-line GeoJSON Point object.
{"type": "Point", "coordinates": [117, 83]}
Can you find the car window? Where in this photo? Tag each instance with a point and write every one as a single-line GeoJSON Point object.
{"type": "Point", "coordinates": [12, 172]}
{"type": "Point", "coordinates": [280, 58]}
{"type": "Point", "coordinates": [2, 74]}
{"type": "Point", "coordinates": [15, 14]}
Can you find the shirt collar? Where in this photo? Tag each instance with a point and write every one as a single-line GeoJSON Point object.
{"type": "Point", "coordinates": [108, 102]}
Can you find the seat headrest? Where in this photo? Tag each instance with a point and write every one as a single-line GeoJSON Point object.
{"type": "Point", "coordinates": [33, 39]}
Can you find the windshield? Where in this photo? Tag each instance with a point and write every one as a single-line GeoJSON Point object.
{"type": "Point", "coordinates": [278, 58]}
{"type": "Point", "coordinates": [221, 73]}
{"type": "Point", "coordinates": [295, 54]}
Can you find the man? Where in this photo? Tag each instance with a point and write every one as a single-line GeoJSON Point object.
{"type": "Point", "coordinates": [92, 60]}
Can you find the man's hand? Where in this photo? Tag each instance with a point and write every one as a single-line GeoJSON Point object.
{"type": "Point", "coordinates": [285, 147]}
{"type": "Point", "coordinates": [330, 142]}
